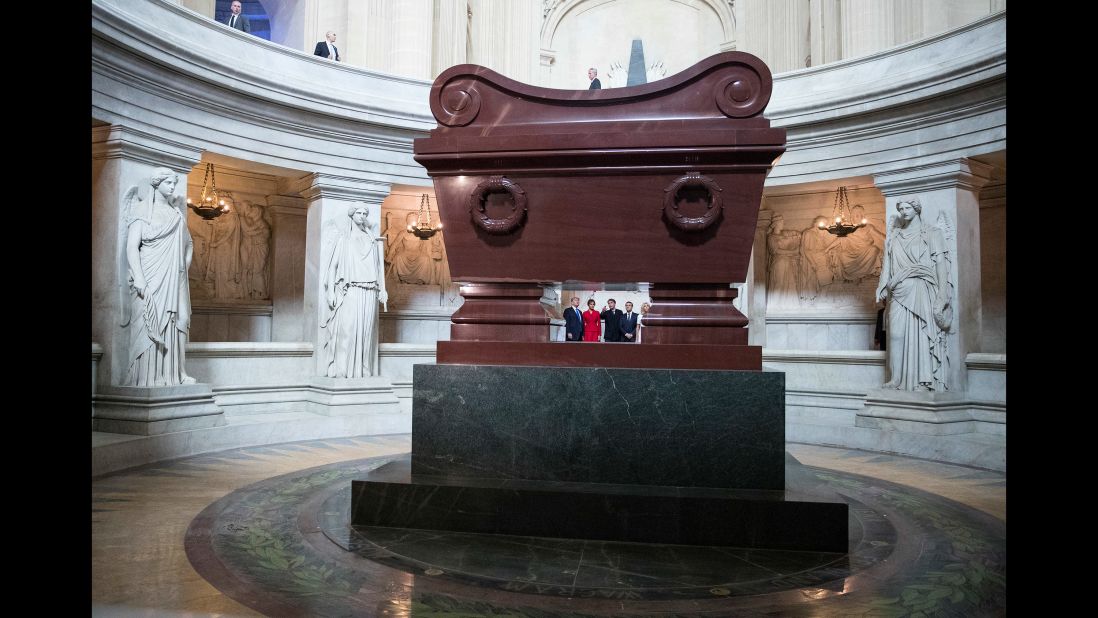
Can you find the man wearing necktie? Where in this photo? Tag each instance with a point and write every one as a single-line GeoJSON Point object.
{"type": "Point", "coordinates": [629, 324]}
{"type": "Point", "coordinates": [238, 21]}
{"type": "Point", "coordinates": [327, 48]}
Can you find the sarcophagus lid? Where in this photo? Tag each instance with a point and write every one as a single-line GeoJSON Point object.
{"type": "Point", "coordinates": [658, 182]}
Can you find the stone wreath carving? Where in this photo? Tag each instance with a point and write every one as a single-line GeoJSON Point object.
{"type": "Point", "coordinates": [478, 205]}
{"type": "Point", "coordinates": [712, 209]}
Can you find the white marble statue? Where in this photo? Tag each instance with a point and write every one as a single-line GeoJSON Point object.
{"type": "Point", "coordinates": [915, 283]}
{"type": "Point", "coordinates": [858, 254]}
{"type": "Point", "coordinates": [156, 301]}
{"type": "Point", "coordinates": [816, 259]}
{"type": "Point", "coordinates": [354, 283]}
{"type": "Point", "coordinates": [784, 248]}
{"type": "Point", "coordinates": [255, 247]}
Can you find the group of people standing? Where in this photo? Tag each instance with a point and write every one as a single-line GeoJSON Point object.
{"type": "Point", "coordinates": [621, 326]}
{"type": "Point", "coordinates": [325, 49]}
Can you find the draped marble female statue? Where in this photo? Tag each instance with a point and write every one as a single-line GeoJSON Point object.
{"type": "Point", "coordinates": [354, 283]}
{"type": "Point", "coordinates": [156, 301]}
{"type": "Point", "coordinates": [915, 282]}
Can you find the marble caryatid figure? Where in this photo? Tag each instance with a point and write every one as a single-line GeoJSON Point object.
{"type": "Point", "coordinates": [915, 282]}
{"type": "Point", "coordinates": [353, 285]}
{"type": "Point", "coordinates": [156, 301]}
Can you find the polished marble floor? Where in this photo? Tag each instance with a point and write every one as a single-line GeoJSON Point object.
{"type": "Point", "coordinates": [258, 531]}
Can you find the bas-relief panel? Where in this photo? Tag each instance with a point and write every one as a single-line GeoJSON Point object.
{"type": "Point", "coordinates": [417, 273]}
{"type": "Point", "coordinates": [231, 255]}
{"type": "Point", "coordinates": [812, 271]}
{"type": "Point", "coordinates": [417, 276]}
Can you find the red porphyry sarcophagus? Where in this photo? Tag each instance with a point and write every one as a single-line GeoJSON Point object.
{"type": "Point", "coordinates": [658, 183]}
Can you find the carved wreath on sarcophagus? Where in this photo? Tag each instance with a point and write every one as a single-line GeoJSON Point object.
{"type": "Point", "coordinates": [697, 183]}
{"type": "Point", "coordinates": [511, 193]}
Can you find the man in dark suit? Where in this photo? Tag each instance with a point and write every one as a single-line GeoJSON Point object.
{"type": "Point", "coordinates": [612, 319]}
{"type": "Point", "coordinates": [629, 324]}
{"type": "Point", "coordinates": [238, 21]}
{"type": "Point", "coordinates": [573, 321]}
{"type": "Point", "coordinates": [595, 85]}
{"type": "Point", "coordinates": [327, 47]}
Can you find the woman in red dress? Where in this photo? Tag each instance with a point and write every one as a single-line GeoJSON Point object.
{"type": "Point", "coordinates": [592, 322]}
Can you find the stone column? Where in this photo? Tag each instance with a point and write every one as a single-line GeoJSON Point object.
{"type": "Point", "coordinates": [450, 28]}
{"type": "Point", "coordinates": [506, 37]}
{"type": "Point", "coordinates": [123, 157]}
{"type": "Point", "coordinates": [319, 17]}
{"type": "Point", "coordinates": [287, 267]}
{"type": "Point", "coordinates": [867, 26]}
{"type": "Point", "coordinates": [949, 194]}
{"type": "Point", "coordinates": [825, 31]}
{"type": "Point", "coordinates": [328, 197]}
{"type": "Point", "coordinates": [756, 283]}
{"type": "Point", "coordinates": [397, 35]}
{"type": "Point", "coordinates": [775, 30]}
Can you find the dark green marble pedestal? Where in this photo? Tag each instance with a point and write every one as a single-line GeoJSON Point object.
{"type": "Point", "coordinates": [644, 455]}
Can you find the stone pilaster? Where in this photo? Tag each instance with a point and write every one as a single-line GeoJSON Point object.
{"type": "Point", "coordinates": [288, 218]}
{"type": "Point", "coordinates": [121, 158]}
{"type": "Point", "coordinates": [776, 31]}
{"type": "Point", "coordinates": [867, 26]}
{"type": "Point", "coordinates": [505, 37]}
{"type": "Point", "coordinates": [949, 194]}
{"type": "Point", "coordinates": [451, 31]}
{"type": "Point", "coordinates": [327, 197]}
{"type": "Point", "coordinates": [756, 283]}
{"type": "Point", "coordinates": [825, 34]}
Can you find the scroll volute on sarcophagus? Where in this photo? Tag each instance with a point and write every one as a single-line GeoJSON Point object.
{"type": "Point", "coordinates": [658, 182]}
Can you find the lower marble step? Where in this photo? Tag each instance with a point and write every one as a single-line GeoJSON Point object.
{"type": "Point", "coordinates": [802, 517]}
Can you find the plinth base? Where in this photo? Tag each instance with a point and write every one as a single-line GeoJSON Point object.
{"type": "Point", "coordinates": [797, 518]}
{"type": "Point", "coordinates": [924, 412]}
{"type": "Point", "coordinates": [148, 411]}
{"type": "Point", "coordinates": [343, 396]}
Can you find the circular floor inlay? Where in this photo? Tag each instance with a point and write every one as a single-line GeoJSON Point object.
{"type": "Point", "coordinates": [285, 546]}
